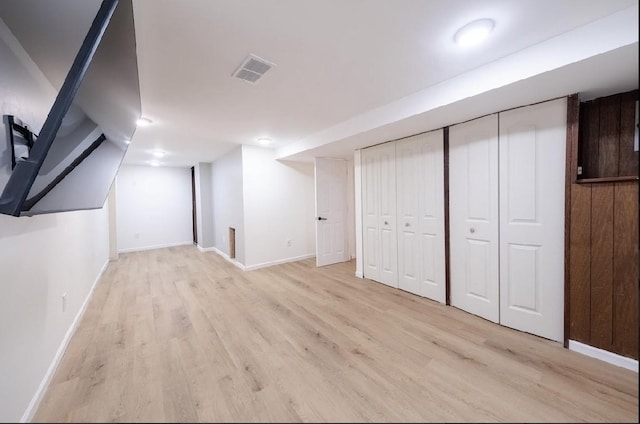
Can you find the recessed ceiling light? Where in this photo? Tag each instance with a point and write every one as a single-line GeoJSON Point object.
{"type": "Point", "coordinates": [473, 33]}
{"type": "Point", "coordinates": [143, 122]}
{"type": "Point", "coordinates": [158, 153]}
{"type": "Point", "coordinates": [154, 163]}
{"type": "Point", "coordinates": [264, 141]}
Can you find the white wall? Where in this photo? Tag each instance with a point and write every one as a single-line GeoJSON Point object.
{"type": "Point", "coordinates": [226, 174]}
{"type": "Point", "coordinates": [153, 207]}
{"type": "Point", "coordinates": [41, 257]}
{"type": "Point", "coordinates": [278, 206]}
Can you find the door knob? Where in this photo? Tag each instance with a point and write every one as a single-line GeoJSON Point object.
{"type": "Point", "coordinates": [406, 224]}
{"type": "Point", "coordinates": [386, 223]}
{"type": "Point", "coordinates": [321, 218]}
{"type": "Point", "coordinates": [472, 230]}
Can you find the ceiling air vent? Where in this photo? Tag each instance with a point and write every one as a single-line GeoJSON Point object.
{"type": "Point", "coordinates": [252, 69]}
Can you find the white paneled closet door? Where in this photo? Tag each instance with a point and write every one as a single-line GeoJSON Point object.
{"type": "Point", "coordinates": [473, 217]}
{"type": "Point", "coordinates": [379, 214]}
{"type": "Point", "coordinates": [370, 172]}
{"type": "Point", "coordinates": [420, 198]}
{"type": "Point", "coordinates": [532, 172]}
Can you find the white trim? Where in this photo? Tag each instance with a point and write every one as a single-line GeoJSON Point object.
{"type": "Point", "coordinates": [44, 384]}
{"type": "Point", "coordinates": [359, 274]}
{"type": "Point", "coordinates": [604, 355]}
{"type": "Point", "coordinates": [261, 265]}
{"type": "Point", "coordinates": [278, 262]}
{"type": "Point", "coordinates": [225, 257]}
{"type": "Point", "coordinates": [205, 249]}
{"type": "Point", "coordinates": [158, 246]}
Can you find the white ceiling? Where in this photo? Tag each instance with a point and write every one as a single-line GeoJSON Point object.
{"type": "Point", "coordinates": [336, 60]}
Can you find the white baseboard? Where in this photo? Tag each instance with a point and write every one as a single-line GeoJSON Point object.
{"type": "Point", "coordinates": [205, 249]}
{"type": "Point", "coordinates": [261, 265]}
{"type": "Point", "coordinates": [604, 355]}
{"type": "Point", "coordinates": [225, 257]}
{"type": "Point", "coordinates": [157, 246]}
{"type": "Point", "coordinates": [44, 384]}
{"type": "Point", "coordinates": [278, 262]}
{"type": "Point", "coordinates": [359, 274]}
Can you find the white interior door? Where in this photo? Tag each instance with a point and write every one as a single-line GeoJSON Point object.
{"type": "Point", "coordinates": [379, 214]}
{"type": "Point", "coordinates": [532, 172]}
{"type": "Point", "coordinates": [387, 218]}
{"type": "Point", "coordinates": [431, 214]}
{"type": "Point", "coordinates": [420, 201]}
{"type": "Point", "coordinates": [370, 172]}
{"type": "Point", "coordinates": [331, 211]}
{"type": "Point", "coordinates": [409, 255]}
{"type": "Point", "coordinates": [473, 216]}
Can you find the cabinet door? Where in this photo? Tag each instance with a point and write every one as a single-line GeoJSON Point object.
{"type": "Point", "coordinates": [379, 214]}
{"type": "Point", "coordinates": [532, 172]}
{"type": "Point", "coordinates": [473, 214]}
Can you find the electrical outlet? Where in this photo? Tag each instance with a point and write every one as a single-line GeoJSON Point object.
{"type": "Point", "coordinates": [64, 302]}
{"type": "Point", "coordinates": [289, 243]}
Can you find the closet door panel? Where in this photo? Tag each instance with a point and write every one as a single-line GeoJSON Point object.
{"type": "Point", "coordinates": [473, 212]}
{"type": "Point", "coordinates": [532, 159]}
{"type": "Point", "coordinates": [430, 165]}
{"type": "Point", "coordinates": [371, 244]}
{"type": "Point", "coordinates": [409, 257]}
{"type": "Point", "coordinates": [387, 217]}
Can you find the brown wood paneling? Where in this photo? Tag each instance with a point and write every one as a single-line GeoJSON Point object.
{"type": "Point", "coordinates": [628, 157]}
{"type": "Point", "coordinates": [589, 136]}
{"type": "Point", "coordinates": [609, 140]}
{"type": "Point", "coordinates": [580, 264]}
{"type": "Point", "coordinates": [573, 116]}
{"type": "Point", "coordinates": [625, 270]}
{"type": "Point", "coordinates": [602, 265]}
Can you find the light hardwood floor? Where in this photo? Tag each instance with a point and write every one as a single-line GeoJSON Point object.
{"type": "Point", "coordinates": [179, 335]}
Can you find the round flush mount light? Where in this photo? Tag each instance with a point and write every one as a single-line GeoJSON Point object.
{"type": "Point", "coordinates": [158, 153]}
{"type": "Point", "coordinates": [473, 33]}
{"type": "Point", "coordinates": [265, 141]}
{"type": "Point", "coordinates": [143, 122]}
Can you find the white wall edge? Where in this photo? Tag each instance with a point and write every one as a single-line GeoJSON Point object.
{"type": "Point", "coordinates": [604, 355]}
{"type": "Point", "coordinates": [278, 262]}
{"type": "Point", "coordinates": [44, 384]}
{"type": "Point", "coordinates": [359, 274]}
{"type": "Point", "coordinates": [158, 246]}
{"type": "Point", "coordinates": [225, 257]}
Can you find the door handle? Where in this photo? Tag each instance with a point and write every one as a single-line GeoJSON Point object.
{"type": "Point", "coordinates": [321, 218]}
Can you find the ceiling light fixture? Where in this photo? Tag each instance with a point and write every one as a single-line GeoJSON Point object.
{"type": "Point", "coordinates": [143, 122]}
{"type": "Point", "coordinates": [473, 33]}
{"type": "Point", "coordinates": [265, 141]}
{"type": "Point", "coordinates": [158, 153]}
